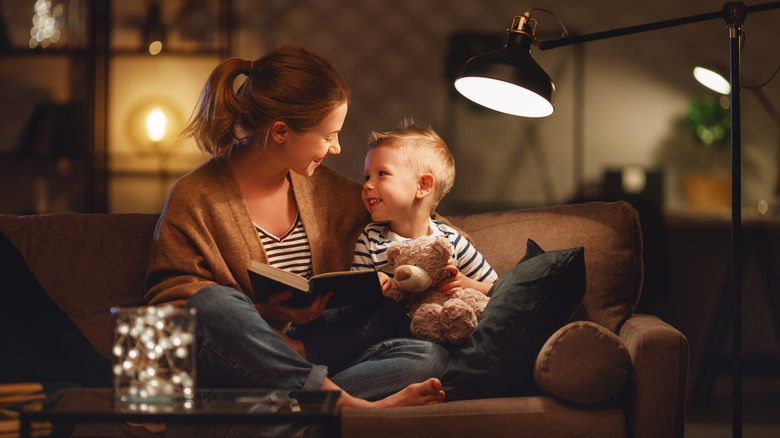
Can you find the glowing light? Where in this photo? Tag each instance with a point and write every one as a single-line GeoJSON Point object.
{"type": "Point", "coordinates": [145, 370]}
{"type": "Point", "coordinates": [45, 30]}
{"type": "Point", "coordinates": [155, 124]}
{"type": "Point", "coordinates": [712, 80]}
{"type": "Point", "coordinates": [504, 97]}
{"type": "Point", "coordinates": [155, 47]}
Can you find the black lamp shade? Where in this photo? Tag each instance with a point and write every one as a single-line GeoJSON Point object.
{"type": "Point", "coordinates": [508, 80]}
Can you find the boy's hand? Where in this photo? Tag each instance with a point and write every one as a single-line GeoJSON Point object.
{"type": "Point", "coordinates": [457, 281]}
{"type": "Point", "coordinates": [384, 280]}
{"type": "Point", "coordinates": [454, 282]}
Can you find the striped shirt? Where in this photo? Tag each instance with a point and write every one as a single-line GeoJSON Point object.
{"type": "Point", "coordinates": [290, 252]}
{"type": "Point", "coordinates": [371, 251]}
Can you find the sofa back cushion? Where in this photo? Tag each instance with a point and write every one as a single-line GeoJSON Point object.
{"type": "Point", "coordinates": [86, 263]}
{"type": "Point", "coordinates": [609, 232]}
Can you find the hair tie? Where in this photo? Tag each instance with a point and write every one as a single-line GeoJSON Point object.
{"type": "Point", "coordinates": [248, 67]}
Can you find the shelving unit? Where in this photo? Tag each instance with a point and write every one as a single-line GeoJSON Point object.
{"type": "Point", "coordinates": [54, 137]}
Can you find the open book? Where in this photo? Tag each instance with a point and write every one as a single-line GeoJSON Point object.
{"type": "Point", "coordinates": [348, 287]}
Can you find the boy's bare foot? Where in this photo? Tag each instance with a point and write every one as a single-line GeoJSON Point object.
{"type": "Point", "coordinates": [417, 394]}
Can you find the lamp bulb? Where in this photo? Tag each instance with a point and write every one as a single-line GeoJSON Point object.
{"type": "Point", "coordinates": [712, 80]}
{"type": "Point", "coordinates": [155, 124]}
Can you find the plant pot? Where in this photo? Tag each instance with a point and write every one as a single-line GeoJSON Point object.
{"type": "Point", "coordinates": [707, 192]}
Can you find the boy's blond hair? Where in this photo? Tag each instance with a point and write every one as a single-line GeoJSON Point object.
{"type": "Point", "coordinates": [423, 151]}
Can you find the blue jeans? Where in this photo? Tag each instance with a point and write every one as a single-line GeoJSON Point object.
{"type": "Point", "coordinates": [237, 348]}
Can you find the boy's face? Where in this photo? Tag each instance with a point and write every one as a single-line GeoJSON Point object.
{"type": "Point", "coordinates": [390, 188]}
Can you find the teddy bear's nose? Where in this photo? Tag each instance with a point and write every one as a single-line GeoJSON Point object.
{"type": "Point", "coordinates": [403, 273]}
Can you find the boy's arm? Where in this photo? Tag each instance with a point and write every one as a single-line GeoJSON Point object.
{"type": "Point", "coordinates": [471, 263]}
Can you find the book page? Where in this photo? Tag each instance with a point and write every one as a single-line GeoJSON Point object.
{"type": "Point", "coordinates": [280, 275]}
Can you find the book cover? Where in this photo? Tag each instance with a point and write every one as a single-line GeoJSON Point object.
{"type": "Point", "coordinates": [348, 287]}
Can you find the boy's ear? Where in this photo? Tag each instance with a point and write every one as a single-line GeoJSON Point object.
{"type": "Point", "coordinates": [278, 131]}
{"type": "Point", "coordinates": [425, 185]}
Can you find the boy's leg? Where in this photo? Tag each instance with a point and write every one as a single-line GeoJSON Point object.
{"type": "Point", "coordinates": [390, 366]}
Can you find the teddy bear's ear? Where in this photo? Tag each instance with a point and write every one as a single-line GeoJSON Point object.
{"type": "Point", "coordinates": [443, 246]}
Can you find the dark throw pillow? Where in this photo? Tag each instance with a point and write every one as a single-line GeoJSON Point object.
{"type": "Point", "coordinates": [39, 341]}
{"type": "Point", "coordinates": [527, 305]}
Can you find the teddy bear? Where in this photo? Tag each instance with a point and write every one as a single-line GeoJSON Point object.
{"type": "Point", "coordinates": [420, 264]}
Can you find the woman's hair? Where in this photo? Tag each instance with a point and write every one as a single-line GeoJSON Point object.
{"type": "Point", "coordinates": [288, 84]}
{"type": "Point", "coordinates": [423, 152]}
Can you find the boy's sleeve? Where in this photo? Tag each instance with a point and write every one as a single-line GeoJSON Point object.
{"type": "Point", "coordinates": [471, 262]}
{"type": "Point", "coordinates": [362, 259]}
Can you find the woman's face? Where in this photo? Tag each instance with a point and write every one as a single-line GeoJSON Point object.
{"type": "Point", "coordinates": [305, 151]}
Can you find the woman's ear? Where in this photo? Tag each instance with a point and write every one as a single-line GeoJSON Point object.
{"type": "Point", "coordinates": [278, 132]}
{"type": "Point", "coordinates": [425, 185]}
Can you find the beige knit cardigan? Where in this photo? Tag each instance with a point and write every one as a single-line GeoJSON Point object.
{"type": "Point", "coordinates": [205, 235]}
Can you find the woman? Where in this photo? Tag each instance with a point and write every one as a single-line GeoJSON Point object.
{"type": "Point", "coordinates": [264, 189]}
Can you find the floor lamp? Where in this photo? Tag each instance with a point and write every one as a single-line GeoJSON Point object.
{"type": "Point", "coordinates": [510, 81]}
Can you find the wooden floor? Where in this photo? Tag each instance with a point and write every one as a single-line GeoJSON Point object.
{"type": "Point", "coordinates": [760, 411]}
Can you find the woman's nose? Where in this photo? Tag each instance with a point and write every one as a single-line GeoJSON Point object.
{"type": "Point", "coordinates": [335, 148]}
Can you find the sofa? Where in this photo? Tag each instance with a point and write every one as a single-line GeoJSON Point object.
{"type": "Point", "coordinates": [605, 372]}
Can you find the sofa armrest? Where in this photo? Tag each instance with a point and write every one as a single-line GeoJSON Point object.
{"type": "Point", "coordinates": [656, 391]}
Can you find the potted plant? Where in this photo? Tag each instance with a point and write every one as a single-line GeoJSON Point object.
{"type": "Point", "coordinates": [707, 181]}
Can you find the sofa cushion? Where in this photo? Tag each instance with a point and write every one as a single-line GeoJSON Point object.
{"type": "Point", "coordinates": [40, 342]}
{"type": "Point", "coordinates": [533, 416]}
{"type": "Point", "coordinates": [86, 263]}
{"type": "Point", "coordinates": [583, 363]}
{"type": "Point", "coordinates": [609, 230]}
{"type": "Point", "coordinates": [527, 305]}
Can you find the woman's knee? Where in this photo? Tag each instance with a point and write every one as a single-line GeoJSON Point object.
{"type": "Point", "coordinates": [212, 295]}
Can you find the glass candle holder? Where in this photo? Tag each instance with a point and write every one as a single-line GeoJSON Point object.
{"type": "Point", "coordinates": [154, 354]}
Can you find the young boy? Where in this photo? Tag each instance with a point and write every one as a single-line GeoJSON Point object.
{"type": "Point", "coordinates": [407, 172]}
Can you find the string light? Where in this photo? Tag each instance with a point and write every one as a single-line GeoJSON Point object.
{"type": "Point", "coordinates": [154, 354]}
{"type": "Point", "coordinates": [45, 30]}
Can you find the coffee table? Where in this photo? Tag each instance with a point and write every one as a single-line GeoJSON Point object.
{"type": "Point", "coordinates": [258, 412]}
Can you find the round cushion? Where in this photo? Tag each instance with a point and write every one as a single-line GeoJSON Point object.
{"type": "Point", "coordinates": [583, 363]}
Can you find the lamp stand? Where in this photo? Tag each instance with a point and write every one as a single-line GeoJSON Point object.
{"type": "Point", "coordinates": [735, 18]}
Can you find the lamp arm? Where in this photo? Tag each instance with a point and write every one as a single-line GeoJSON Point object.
{"type": "Point", "coordinates": [722, 14]}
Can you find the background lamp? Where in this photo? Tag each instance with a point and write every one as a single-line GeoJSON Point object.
{"type": "Point", "coordinates": [715, 81]}
{"type": "Point", "coordinates": [508, 80]}
{"type": "Point", "coordinates": [513, 65]}
{"type": "Point", "coordinates": [712, 80]}
{"type": "Point", "coordinates": [155, 124]}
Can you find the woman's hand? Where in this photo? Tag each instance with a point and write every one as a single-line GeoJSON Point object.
{"type": "Point", "coordinates": [457, 281]}
{"type": "Point", "coordinates": [274, 308]}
